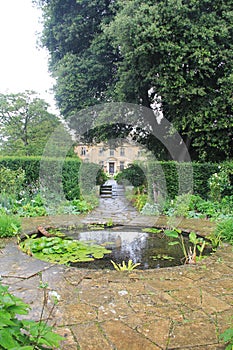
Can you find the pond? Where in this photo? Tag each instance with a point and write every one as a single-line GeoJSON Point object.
{"type": "Point", "coordinates": [150, 249]}
{"type": "Point", "coordinates": [98, 247]}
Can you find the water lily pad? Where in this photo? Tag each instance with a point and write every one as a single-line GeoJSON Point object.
{"type": "Point", "coordinates": [152, 230]}
{"type": "Point", "coordinates": [62, 251]}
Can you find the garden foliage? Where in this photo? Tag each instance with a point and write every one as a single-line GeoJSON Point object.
{"type": "Point", "coordinates": [31, 168]}
{"type": "Point", "coordinates": [62, 250]}
{"type": "Point", "coordinates": [19, 334]}
{"type": "Point", "coordinates": [165, 175]}
{"type": "Point", "coordinates": [9, 225]}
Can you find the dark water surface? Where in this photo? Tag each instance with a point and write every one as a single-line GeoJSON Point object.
{"type": "Point", "coordinates": [131, 243]}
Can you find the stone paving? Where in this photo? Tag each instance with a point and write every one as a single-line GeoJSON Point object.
{"type": "Point", "coordinates": [184, 307]}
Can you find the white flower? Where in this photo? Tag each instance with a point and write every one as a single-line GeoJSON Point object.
{"type": "Point", "coordinates": [54, 295]}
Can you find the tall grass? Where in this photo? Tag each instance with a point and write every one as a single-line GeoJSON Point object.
{"type": "Point", "coordinates": [9, 225]}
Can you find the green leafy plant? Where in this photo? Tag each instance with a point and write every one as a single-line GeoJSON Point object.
{"type": "Point", "coordinates": [227, 337]}
{"type": "Point", "coordinates": [150, 209]}
{"type": "Point", "coordinates": [30, 209]}
{"type": "Point", "coordinates": [196, 207]}
{"type": "Point", "coordinates": [190, 253]}
{"type": "Point", "coordinates": [9, 225]}
{"type": "Point", "coordinates": [224, 230]}
{"type": "Point", "coordinates": [198, 244]}
{"type": "Point", "coordinates": [181, 205]}
{"type": "Point", "coordinates": [162, 257]}
{"type": "Point", "coordinates": [138, 200]}
{"type": "Point", "coordinates": [22, 334]}
{"type": "Point", "coordinates": [125, 267]}
{"type": "Point", "coordinates": [215, 239]}
{"type": "Point", "coordinates": [220, 182]}
{"type": "Point", "coordinates": [133, 174]}
{"type": "Point", "coordinates": [11, 181]}
{"type": "Point", "coordinates": [109, 223]}
{"type": "Point", "coordinates": [152, 230]}
{"type": "Point", "coordinates": [62, 251]}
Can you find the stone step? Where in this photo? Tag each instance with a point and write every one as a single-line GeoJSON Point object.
{"type": "Point", "coordinates": [106, 191]}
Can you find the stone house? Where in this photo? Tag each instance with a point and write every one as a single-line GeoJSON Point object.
{"type": "Point", "coordinates": [111, 159]}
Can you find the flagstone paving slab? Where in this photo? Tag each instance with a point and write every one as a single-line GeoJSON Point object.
{"type": "Point", "coordinates": [157, 331]}
{"type": "Point", "coordinates": [180, 308]}
{"type": "Point", "coordinates": [86, 333]}
{"type": "Point", "coordinates": [173, 308]}
{"type": "Point", "coordinates": [123, 337]}
{"type": "Point", "coordinates": [192, 334]}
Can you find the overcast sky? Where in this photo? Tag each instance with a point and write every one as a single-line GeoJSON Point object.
{"type": "Point", "coordinates": [23, 66]}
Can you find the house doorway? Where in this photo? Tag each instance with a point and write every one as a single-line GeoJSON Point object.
{"type": "Point", "coordinates": [111, 168]}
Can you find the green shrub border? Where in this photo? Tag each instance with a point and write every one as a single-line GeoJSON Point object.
{"type": "Point", "coordinates": [201, 174]}
{"type": "Point", "coordinates": [31, 166]}
{"type": "Point", "coordinates": [71, 171]}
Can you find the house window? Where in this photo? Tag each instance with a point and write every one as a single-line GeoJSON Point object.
{"type": "Point", "coordinates": [83, 151]}
{"type": "Point", "coordinates": [111, 152]}
{"type": "Point", "coordinates": [101, 151]}
{"type": "Point", "coordinates": [122, 152]}
{"type": "Point", "coordinates": [101, 164]}
{"type": "Point", "coordinates": [122, 166]}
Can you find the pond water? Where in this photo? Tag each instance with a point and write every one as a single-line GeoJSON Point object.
{"type": "Point", "coordinates": [151, 250]}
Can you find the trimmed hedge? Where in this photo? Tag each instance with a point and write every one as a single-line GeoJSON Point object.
{"type": "Point", "coordinates": [166, 174]}
{"type": "Point", "coordinates": [201, 174]}
{"type": "Point", "coordinates": [198, 173]}
{"type": "Point", "coordinates": [90, 176]}
{"type": "Point", "coordinates": [193, 177]}
{"type": "Point", "coordinates": [31, 166]}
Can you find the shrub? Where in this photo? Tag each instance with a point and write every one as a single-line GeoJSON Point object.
{"type": "Point", "coordinates": [30, 165]}
{"type": "Point", "coordinates": [90, 176]}
{"type": "Point", "coordinates": [194, 206]}
{"type": "Point", "coordinates": [17, 333]}
{"type": "Point", "coordinates": [225, 230]}
{"type": "Point", "coordinates": [201, 174]}
{"type": "Point", "coordinates": [150, 209]}
{"type": "Point", "coordinates": [166, 176]}
{"type": "Point", "coordinates": [182, 205]}
{"type": "Point", "coordinates": [7, 202]}
{"type": "Point", "coordinates": [138, 200]}
{"type": "Point", "coordinates": [9, 225]}
{"type": "Point", "coordinates": [220, 182]}
{"type": "Point", "coordinates": [133, 174]}
{"type": "Point", "coordinates": [34, 207]}
{"type": "Point", "coordinates": [11, 181]}
{"type": "Point", "coordinates": [70, 178]}
{"type": "Point", "coordinates": [31, 168]}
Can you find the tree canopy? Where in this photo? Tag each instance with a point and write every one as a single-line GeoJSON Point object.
{"type": "Point", "coordinates": [175, 55]}
{"type": "Point", "coordinates": [25, 123]}
{"type": "Point", "coordinates": [82, 57]}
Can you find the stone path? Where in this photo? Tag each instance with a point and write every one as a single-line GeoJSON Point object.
{"type": "Point", "coordinates": [184, 307]}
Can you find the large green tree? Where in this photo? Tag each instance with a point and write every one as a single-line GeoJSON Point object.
{"type": "Point", "coordinates": [82, 57]}
{"type": "Point", "coordinates": [25, 123]}
{"type": "Point", "coordinates": [175, 54]}
{"type": "Point", "coordinates": [178, 54]}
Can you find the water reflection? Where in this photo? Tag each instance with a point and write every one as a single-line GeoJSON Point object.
{"type": "Point", "coordinates": [128, 244]}
{"type": "Point", "coordinates": [132, 244]}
